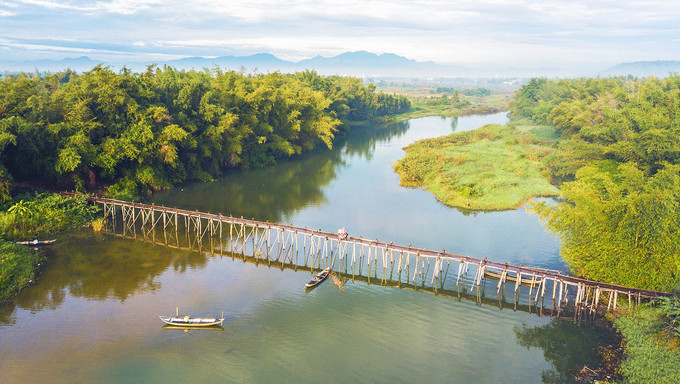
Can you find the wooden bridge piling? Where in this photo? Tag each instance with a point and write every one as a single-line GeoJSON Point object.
{"type": "Point", "coordinates": [282, 244]}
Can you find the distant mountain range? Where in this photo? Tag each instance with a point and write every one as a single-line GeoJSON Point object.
{"type": "Point", "coordinates": [659, 68]}
{"type": "Point", "coordinates": [361, 64]}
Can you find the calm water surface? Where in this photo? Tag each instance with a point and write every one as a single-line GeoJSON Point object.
{"type": "Point", "coordinates": [92, 316]}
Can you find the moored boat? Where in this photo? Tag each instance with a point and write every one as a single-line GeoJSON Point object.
{"type": "Point", "coordinates": [36, 242]}
{"type": "Point", "coordinates": [188, 321]}
{"type": "Point", "coordinates": [185, 328]}
{"type": "Point", "coordinates": [316, 280]}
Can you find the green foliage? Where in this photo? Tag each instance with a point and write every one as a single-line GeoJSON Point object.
{"type": "Point", "coordinates": [453, 101]}
{"type": "Point", "coordinates": [653, 355]}
{"type": "Point", "coordinates": [619, 154]}
{"type": "Point", "coordinates": [476, 92]}
{"type": "Point", "coordinates": [44, 214]}
{"type": "Point", "coordinates": [124, 189]}
{"type": "Point", "coordinates": [493, 167]}
{"type": "Point", "coordinates": [620, 227]}
{"type": "Point", "coordinates": [467, 92]}
{"type": "Point", "coordinates": [142, 132]}
{"type": "Point", "coordinates": [34, 216]}
{"type": "Point", "coordinates": [613, 118]}
{"type": "Point", "coordinates": [18, 265]}
{"type": "Point", "coordinates": [671, 308]}
{"type": "Point", "coordinates": [456, 105]}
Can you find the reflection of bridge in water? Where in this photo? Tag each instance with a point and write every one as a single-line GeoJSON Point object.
{"type": "Point", "coordinates": [371, 261]}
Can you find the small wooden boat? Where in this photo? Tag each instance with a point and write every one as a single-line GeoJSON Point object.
{"type": "Point", "coordinates": [185, 328]}
{"type": "Point", "coordinates": [316, 280]}
{"type": "Point", "coordinates": [36, 242]}
{"type": "Point", "coordinates": [187, 321]}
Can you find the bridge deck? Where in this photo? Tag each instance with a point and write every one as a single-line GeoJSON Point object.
{"type": "Point", "coordinates": [319, 247]}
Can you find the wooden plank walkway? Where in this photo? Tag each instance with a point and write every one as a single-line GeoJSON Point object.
{"type": "Point", "coordinates": [356, 256]}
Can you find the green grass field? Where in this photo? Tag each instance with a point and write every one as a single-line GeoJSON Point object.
{"type": "Point", "coordinates": [492, 168]}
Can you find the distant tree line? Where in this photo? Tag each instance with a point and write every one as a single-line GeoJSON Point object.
{"type": "Point", "coordinates": [140, 132]}
{"type": "Point", "coordinates": [466, 92]}
{"type": "Point", "coordinates": [619, 159]}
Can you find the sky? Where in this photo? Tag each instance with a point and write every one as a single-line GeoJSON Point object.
{"type": "Point", "coordinates": [546, 33]}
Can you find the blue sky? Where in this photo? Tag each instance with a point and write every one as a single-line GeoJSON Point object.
{"type": "Point", "coordinates": [579, 34]}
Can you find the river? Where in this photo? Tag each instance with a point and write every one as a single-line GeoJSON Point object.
{"type": "Point", "coordinates": [92, 316]}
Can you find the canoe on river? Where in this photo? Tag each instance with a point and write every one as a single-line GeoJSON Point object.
{"type": "Point", "coordinates": [36, 242]}
{"type": "Point", "coordinates": [316, 280]}
{"type": "Point", "coordinates": [185, 328]}
{"type": "Point", "coordinates": [188, 321]}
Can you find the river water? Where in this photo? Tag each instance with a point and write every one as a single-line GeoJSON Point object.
{"type": "Point", "coordinates": [92, 316]}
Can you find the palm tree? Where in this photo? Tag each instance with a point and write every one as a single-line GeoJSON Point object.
{"type": "Point", "coordinates": [22, 212]}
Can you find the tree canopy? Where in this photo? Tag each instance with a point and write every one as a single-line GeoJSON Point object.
{"type": "Point", "coordinates": [139, 132]}
{"type": "Point", "coordinates": [619, 158]}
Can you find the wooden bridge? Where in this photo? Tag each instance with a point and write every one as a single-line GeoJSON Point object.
{"type": "Point", "coordinates": [358, 258]}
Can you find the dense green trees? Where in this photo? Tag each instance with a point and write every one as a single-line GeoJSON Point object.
{"type": "Point", "coordinates": [621, 226]}
{"type": "Point", "coordinates": [34, 216]}
{"type": "Point", "coordinates": [44, 214]}
{"type": "Point", "coordinates": [139, 132]}
{"type": "Point", "coordinates": [651, 344]}
{"type": "Point", "coordinates": [619, 154]}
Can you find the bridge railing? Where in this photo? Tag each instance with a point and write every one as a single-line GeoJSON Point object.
{"type": "Point", "coordinates": [312, 249]}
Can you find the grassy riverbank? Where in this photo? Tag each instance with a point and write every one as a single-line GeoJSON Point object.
{"type": "Point", "coordinates": [18, 268]}
{"type": "Point", "coordinates": [31, 216]}
{"type": "Point", "coordinates": [492, 168]}
{"type": "Point", "coordinates": [652, 345]}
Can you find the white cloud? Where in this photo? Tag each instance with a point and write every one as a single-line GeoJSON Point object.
{"type": "Point", "coordinates": [127, 7]}
{"type": "Point", "coordinates": [42, 47]}
{"type": "Point", "coordinates": [510, 32]}
{"type": "Point", "coordinates": [54, 5]}
{"type": "Point", "coordinates": [123, 7]}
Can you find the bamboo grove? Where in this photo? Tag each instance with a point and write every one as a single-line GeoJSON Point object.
{"type": "Point", "coordinates": [134, 133]}
{"type": "Point", "coordinates": [618, 159]}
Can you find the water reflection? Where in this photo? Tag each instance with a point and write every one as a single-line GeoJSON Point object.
{"type": "Point", "coordinates": [278, 192]}
{"type": "Point", "coordinates": [99, 267]}
{"type": "Point", "coordinates": [454, 124]}
{"type": "Point", "coordinates": [363, 140]}
{"type": "Point", "coordinates": [566, 345]}
{"type": "Point", "coordinates": [7, 313]}
{"type": "Point", "coordinates": [290, 186]}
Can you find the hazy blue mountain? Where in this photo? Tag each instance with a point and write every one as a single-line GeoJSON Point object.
{"type": "Point", "coordinates": [660, 68]}
{"type": "Point", "coordinates": [364, 63]}
{"type": "Point", "coordinates": [360, 63]}
{"type": "Point", "coordinates": [261, 63]}
{"type": "Point", "coordinates": [78, 64]}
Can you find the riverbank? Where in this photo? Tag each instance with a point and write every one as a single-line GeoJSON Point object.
{"type": "Point", "coordinates": [35, 216]}
{"type": "Point", "coordinates": [651, 341]}
{"type": "Point", "coordinates": [18, 268]}
{"type": "Point", "coordinates": [492, 168]}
